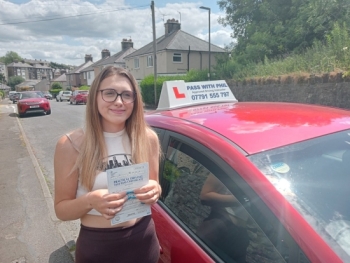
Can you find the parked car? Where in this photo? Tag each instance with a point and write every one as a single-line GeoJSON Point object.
{"type": "Point", "coordinates": [63, 95]}
{"type": "Point", "coordinates": [32, 102]}
{"type": "Point", "coordinates": [15, 97]}
{"type": "Point", "coordinates": [79, 96]}
{"type": "Point", "coordinates": [48, 95]}
{"type": "Point", "coordinates": [250, 181]}
{"type": "Point", "coordinates": [11, 93]}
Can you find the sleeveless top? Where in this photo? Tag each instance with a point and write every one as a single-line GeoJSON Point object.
{"type": "Point", "coordinates": [119, 154]}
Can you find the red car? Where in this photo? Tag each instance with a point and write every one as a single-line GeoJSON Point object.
{"type": "Point", "coordinates": [79, 97]}
{"type": "Point", "coordinates": [250, 181]}
{"type": "Point", "coordinates": [32, 102]}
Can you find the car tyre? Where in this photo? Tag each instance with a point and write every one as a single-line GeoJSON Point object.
{"type": "Point", "coordinates": [60, 100]}
{"type": "Point", "coordinates": [48, 112]}
{"type": "Point", "coordinates": [70, 102]}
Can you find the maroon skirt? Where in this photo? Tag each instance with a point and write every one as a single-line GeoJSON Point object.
{"type": "Point", "coordinates": [138, 243]}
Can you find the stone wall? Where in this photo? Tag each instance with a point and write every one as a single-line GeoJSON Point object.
{"type": "Point", "coordinates": [328, 89]}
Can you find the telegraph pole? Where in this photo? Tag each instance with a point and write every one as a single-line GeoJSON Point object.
{"type": "Point", "coordinates": [154, 53]}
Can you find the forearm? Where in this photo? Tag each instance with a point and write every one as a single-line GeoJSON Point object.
{"type": "Point", "coordinates": [73, 209]}
{"type": "Point", "coordinates": [213, 198]}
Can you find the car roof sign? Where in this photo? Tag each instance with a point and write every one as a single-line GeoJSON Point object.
{"type": "Point", "coordinates": [178, 93]}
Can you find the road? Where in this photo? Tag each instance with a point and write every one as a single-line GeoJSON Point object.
{"type": "Point", "coordinates": [44, 131]}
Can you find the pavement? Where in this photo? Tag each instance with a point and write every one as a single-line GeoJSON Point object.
{"type": "Point", "coordinates": [30, 232]}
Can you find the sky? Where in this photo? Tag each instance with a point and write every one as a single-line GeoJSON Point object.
{"type": "Point", "coordinates": [63, 31]}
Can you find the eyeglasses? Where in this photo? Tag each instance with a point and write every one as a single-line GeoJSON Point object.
{"type": "Point", "coordinates": [110, 95]}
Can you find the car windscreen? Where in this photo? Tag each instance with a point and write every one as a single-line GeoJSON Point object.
{"type": "Point", "coordinates": [28, 95]}
{"type": "Point", "coordinates": [314, 176]}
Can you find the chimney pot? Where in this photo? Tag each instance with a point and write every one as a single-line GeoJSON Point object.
{"type": "Point", "coordinates": [171, 25]}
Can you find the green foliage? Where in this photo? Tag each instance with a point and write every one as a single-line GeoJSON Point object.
{"type": "Point", "coordinates": [170, 172]}
{"type": "Point", "coordinates": [54, 92]}
{"type": "Point", "coordinates": [59, 66]}
{"type": "Point", "coordinates": [2, 94]}
{"type": "Point", "coordinates": [275, 28]}
{"type": "Point", "coordinates": [10, 57]}
{"type": "Point", "coordinates": [332, 54]}
{"type": "Point", "coordinates": [147, 84]}
{"type": "Point", "coordinates": [56, 85]}
{"type": "Point", "coordinates": [15, 80]}
{"type": "Point", "coordinates": [84, 87]}
{"type": "Point", "coordinates": [2, 78]}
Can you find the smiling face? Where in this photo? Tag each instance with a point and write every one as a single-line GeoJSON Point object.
{"type": "Point", "coordinates": [114, 114]}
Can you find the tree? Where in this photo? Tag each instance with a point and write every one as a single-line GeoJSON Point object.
{"type": "Point", "coordinates": [275, 28]}
{"type": "Point", "coordinates": [10, 57]}
{"type": "Point", "coordinates": [15, 80]}
{"type": "Point", "coordinates": [56, 85]}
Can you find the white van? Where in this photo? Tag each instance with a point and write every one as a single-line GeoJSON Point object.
{"type": "Point", "coordinates": [64, 95]}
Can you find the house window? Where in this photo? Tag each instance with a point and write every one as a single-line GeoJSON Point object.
{"type": "Point", "coordinates": [84, 75]}
{"type": "Point", "coordinates": [177, 57]}
{"type": "Point", "coordinates": [149, 61]}
{"type": "Point", "coordinates": [136, 63]}
{"type": "Point", "coordinates": [89, 75]}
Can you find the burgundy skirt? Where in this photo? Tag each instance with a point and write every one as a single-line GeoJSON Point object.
{"type": "Point", "coordinates": [138, 243]}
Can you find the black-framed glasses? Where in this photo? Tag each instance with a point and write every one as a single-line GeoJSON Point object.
{"type": "Point", "coordinates": [111, 95]}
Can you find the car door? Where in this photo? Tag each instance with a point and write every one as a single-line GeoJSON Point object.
{"type": "Point", "coordinates": [191, 228]}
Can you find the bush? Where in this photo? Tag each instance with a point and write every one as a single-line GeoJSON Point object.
{"type": "Point", "coordinates": [147, 84]}
{"type": "Point", "coordinates": [2, 94]}
{"type": "Point", "coordinates": [84, 88]}
{"type": "Point", "coordinates": [56, 86]}
{"type": "Point", "coordinates": [54, 92]}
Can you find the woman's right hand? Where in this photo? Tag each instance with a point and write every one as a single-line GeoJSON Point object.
{"type": "Point", "coordinates": [105, 203]}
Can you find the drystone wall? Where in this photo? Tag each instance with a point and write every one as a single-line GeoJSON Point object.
{"type": "Point", "coordinates": [328, 89]}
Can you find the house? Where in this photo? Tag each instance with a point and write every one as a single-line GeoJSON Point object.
{"type": "Point", "coordinates": [177, 53]}
{"type": "Point", "coordinates": [127, 47]}
{"type": "Point", "coordinates": [22, 69]}
{"type": "Point", "coordinates": [87, 74]}
{"type": "Point", "coordinates": [74, 78]}
{"type": "Point", "coordinates": [3, 70]}
{"type": "Point", "coordinates": [62, 79]}
{"type": "Point", "coordinates": [30, 69]}
{"type": "Point", "coordinates": [27, 85]}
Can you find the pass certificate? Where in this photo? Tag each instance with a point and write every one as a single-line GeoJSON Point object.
{"type": "Point", "coordinates": [127, 179]}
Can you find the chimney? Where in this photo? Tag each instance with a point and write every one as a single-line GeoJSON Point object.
{"type": "Point", "coordinates": [88, 58]}
{"type": "Point", "coordinates": [105, 53]}
{"type": "Point", "coordinates": [126, 44]}
{"type": "Point", "coordinates": [171, 25]}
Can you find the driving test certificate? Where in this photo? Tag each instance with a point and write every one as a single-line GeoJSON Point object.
{"type": "Point", "coordinates": [127, 179]}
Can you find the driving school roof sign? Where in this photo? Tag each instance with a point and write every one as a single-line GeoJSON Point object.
{"type": "Point", "coordinates": [177, 94]}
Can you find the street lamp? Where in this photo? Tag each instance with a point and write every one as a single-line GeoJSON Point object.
{"type": "Point", "coordinates": [207, 8]}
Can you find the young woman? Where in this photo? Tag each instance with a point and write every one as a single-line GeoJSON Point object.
{"type": "Point", "coordinates": [115, 134]}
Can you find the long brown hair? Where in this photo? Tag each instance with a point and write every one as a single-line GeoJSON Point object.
{"type": "Point", "coordinates": [93, 151]}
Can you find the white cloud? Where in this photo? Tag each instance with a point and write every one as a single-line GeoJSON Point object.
{"type": "Point", "coordinates": [69, 29]}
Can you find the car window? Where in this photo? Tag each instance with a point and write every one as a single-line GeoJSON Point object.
{"type": "Point", "coordinates": [223, 219]}
{"type": "Point", "coordinates": [314, 176]}
{"type": "Point", "coordinates": [28, 95]}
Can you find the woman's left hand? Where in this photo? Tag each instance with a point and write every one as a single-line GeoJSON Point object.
{"type": "Point", "coordinates": [149, 193]}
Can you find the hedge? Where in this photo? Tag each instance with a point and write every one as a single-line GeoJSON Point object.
{"type": "Point", "coordinates": [147, 84]}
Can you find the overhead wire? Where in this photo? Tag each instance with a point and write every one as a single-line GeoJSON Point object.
{"type": "Point", "coordinates": [65, 17]}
